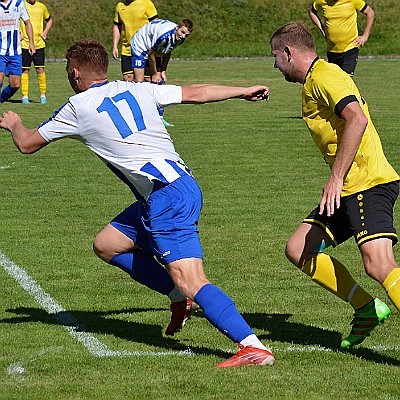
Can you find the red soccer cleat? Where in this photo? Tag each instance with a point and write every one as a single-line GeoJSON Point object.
{"type": "Point", "coordinates": [248, 356]}
{"type": "Point", "coordinates": [181, 312]}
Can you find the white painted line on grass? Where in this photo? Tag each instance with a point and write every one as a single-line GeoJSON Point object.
{"type": "Point", "coordinates": [95, 346]}
{"type": "Point", "coordinates": [74, 328]}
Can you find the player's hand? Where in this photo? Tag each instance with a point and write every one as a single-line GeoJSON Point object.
{"type": "Point", "coordinates": [156, 78]}
{"type": "Point", "coordinates": [8, 120]}
{"type": "Point", "coordinates": [115, 54]}
{"type": "Point", "coordinates": [21, 37]}
{"type": "Point", "coordinates": [256, 93]}
{"type": "Point", "coordinates": [43, 36]}
{"type": "Point", "coordinates": [360, 41]}
{"type": "Point", "coordinates": [32, 50]}
{"type": "Point", "coordinates": [331, 196]}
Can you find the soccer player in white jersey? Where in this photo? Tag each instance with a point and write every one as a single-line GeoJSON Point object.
{"type": "Point", "coordinates": [152, 45]}
{"type": "Point", "coordinates": [119, 121]}
{"type": "Point", "coordinates": [11, 11]}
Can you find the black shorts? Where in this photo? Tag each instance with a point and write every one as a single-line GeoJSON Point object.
{"type": "Point", "coordinates": [126, 65]}
{"type": "Point", "coordinates": [347, 60]}
{"type": "Point", "coordinates": [38, 59]}
{"type": "Point", "coordinates": [366, 215]}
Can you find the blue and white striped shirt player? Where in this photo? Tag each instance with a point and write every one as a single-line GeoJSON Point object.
{"type": "Point", "coordinates": [11, 11]}
{"type": "Point", "coordinates": [158, 35]}
{"type": "Point", "coordinates": [119, 122]}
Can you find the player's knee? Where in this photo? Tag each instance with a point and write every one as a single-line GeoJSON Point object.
{"type": "Point", "coordinates": [292, 252]}
{"type": "Point", "coordinates": [101, 250]}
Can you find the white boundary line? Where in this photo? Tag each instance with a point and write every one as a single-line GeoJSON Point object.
{"type": "Point", "coordinates": [68, 321]}
{"type": "Point", "coordinates": [95, 346]}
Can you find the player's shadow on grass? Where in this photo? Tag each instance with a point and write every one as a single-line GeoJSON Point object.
{"type": "Point", "coordinates": [280, 329]}
{"type": "Point", "coordinates": [106, 323]}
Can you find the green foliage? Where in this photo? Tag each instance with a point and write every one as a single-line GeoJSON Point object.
{"type": "Point", "coordinates": [223, 28]}
{"type": "Point", "coordinates": [260, 174]}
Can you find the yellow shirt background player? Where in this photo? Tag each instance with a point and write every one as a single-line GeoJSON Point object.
{"type": "Point", "coordinates": [130, 15]}
{"type": "Point", "coordinates": [339, 28]}
{"type": "Point", "coordinates": [41, 21]}
{"type": "Point", "coordinates": [326, 91]}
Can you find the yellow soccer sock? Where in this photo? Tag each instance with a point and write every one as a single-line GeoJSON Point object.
{"type": "Point", "coordinates": [42, 83]}
{"type": "Point", "coordinates": [392, 287]}
{"type": "Point", "coordinates": [333, 276]}
{"type": "Point", "coordinates": [25, 84]}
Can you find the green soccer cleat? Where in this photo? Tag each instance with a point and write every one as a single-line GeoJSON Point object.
{"type": "Point", "coordinates": [364, 321]}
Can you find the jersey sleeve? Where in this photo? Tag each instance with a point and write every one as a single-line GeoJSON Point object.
{"type": "Point", "coordinates": [317, 6]}
{"type": "Point", "coordinates": [46, 14]}
{"type": "Point", "coordinates": [166, 95]}
{"type": "Point", "coordinates": [151, 10]}
{"type": "Point", "coordinates": [24, 12]}
{"type": "Point", "coordinates": [360, 5]}
{"type": "Point", "coordinates": [117, 20]}
{"type": "Point", "coordinates": [333, 91]}
{"type": "Point", "coordinates": [62, 124]}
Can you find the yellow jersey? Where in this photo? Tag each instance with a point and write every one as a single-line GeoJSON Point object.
{"type": "Point", "coordinates": [340, 22]}
{"type": "Point", "coordinates": [38, 13]}
{"type": "Point", "coordinates": [326, 91]}
{"type": "Point", "coordinates": [131, 17]}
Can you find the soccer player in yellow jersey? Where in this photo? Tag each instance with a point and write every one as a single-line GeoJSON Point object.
{"type": "Point", "coordinates": [339, 28]}
{"type": "Point", "coordinates": [130, 15]}
{"type": "Point", "coordinates": [41, 22]}
{"type": "Point", "coordinates": [360, 193]}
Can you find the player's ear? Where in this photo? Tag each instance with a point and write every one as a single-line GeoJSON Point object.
{"type": "Point", "coordinates": [75, 74]}
{"type": "Point", "coordinates": [288, 53]}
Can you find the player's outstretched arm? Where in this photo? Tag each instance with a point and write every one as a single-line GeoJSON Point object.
{"type": "Point", "coordinates": [26, 140]}
{"type": "Point", "coordinates": [205, 93]}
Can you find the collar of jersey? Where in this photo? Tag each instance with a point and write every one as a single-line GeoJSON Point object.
{"type": "Point", "coordinates": [309, 69]}
{"type": "Point", "coordinates": [98, 84]}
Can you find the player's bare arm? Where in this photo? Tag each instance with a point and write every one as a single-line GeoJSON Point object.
{"type": "Point", "coordinates": [205, 93]}
{"type": "Point", "coordinates": [29, 31]}
{"type": "Point", "coordinates": [26, 140]}
{"type": "Point", "coordinates": [370, 15]}
{"type": "Point", "coordinates": [49, 24]}
{"type": "Point", "coordinates": [155, 75]}
{"type": "Point", "coordinates": [355, 124]}
{"type": "Point", "coordinates": [316, 20]}
{"type": "Point", "coordinates": [116, 35]}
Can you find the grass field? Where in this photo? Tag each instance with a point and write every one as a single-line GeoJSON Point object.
{"type": "Point", "coordinates": [83, 330]}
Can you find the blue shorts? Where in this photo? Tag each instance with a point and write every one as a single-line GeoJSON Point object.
{"type": "Point", "coordinates": [166, 225]}
{"type": "Point", "coordinates": [139, 61]}
{"type": "Point", "coordinates": [11, 65]}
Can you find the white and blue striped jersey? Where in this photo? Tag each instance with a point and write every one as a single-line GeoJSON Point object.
{"type": "Point", "coordinates": [158, 35]}
{"type": "Point", "coordinates": [10, 13]}
{"type": "Point", "coordinates": [119, 121]}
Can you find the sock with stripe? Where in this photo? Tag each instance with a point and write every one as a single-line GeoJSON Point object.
{"type": "Point", "coordinates": [392, 286]}
{"type": "Point", "coordinates": [332, 275]}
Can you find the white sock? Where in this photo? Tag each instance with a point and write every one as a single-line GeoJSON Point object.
{"type": "Point", "coordinates": [253, 341]}
{"type": "Point", "coordinates": [176, 295]}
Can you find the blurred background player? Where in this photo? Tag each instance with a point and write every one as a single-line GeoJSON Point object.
{"type": "Point", "coordinates": [130, 15]}
{"type": "Point", "coordinates": [152, 45]}
{"type": "Point", "coordinates": [41, 22]}
{"type": "Point", "coordinates": [11, 12]}
{"type": "Point", "coordinates": [151, 48]}
{"type": "Point", "coordinates": [340, 30]}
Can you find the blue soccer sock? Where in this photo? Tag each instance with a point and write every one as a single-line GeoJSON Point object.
{"type": "Point", "coordinates": [145, 269]}
{"type": "Point", "coordinates": [7, 93]}
{"type": "Point", "coordinates": [221, 311]}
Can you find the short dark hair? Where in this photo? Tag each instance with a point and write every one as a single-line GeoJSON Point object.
{"type": "Point", "coordinates": [294, 34]}
{"type": "Point", "coordinates": [186, 22]}
{"type": "Point", "coordinates": [89, 55]}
